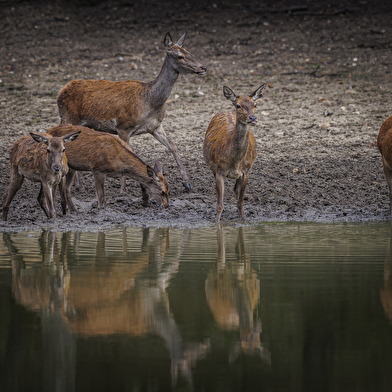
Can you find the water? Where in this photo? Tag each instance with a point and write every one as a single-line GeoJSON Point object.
{"type": "Point", "coordinates": [273, 307]}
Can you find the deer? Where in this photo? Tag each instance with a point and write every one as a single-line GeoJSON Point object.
{"type": "Point", "coordinates": [129, 108]}
{"type": "Point", "coordinates": [40, 158]}
{"type": "Point", "coordinates": [105, 154]}
{"type": "Point", "coordinates": [229, 148]}
{"type": "Point", "coordinates": [384, 144]}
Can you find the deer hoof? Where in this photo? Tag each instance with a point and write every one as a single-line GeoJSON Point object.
{"type": "Point", "coordinates": [187, 186]}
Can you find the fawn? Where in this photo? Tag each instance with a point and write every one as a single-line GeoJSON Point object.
{"type": "Point", "coordinates": [229, 146]}
{"type": "Point", "coordinates": [104, 155]}
{"type": "Point", "coordinates": [40, 158]}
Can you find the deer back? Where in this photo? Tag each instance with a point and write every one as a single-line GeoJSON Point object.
{"type": "Point", "coordinates": [103, 100]}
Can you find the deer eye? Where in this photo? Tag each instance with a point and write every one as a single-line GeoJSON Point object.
{"type": "Point", "coordinates": [238, 106]}
{"type": "Point", "coordinates": [47, 150]}
{"type": "Point", "coordinates": [180, 57]}
{"type": "Point", "coordinates": [163, 193]}
{"type": "Point", "coordinates": [63, 150]}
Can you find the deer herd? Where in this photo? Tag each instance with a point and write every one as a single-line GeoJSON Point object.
{"type": "Point", "coordinates": [93, 112]}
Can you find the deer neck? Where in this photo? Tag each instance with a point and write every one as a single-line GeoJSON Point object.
{"type": "Point", "coordinates": [240, 141]}
{"type": "Point", "coordinates": [161, 87]}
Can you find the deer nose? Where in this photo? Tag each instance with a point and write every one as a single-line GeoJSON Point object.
{"type": "Point", "coordinates": [56, 168]}
{"type": "Point", "coordinates": [253, 119]}
{"type": "Point", "coordinates": [204, 68]}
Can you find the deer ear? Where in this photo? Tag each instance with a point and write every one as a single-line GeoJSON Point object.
{"type": "Point", "coordinates": [168, 42]}
{"type": "Point", "coordinates": [229, 94]}
{"type": "Point", "coordinates": [39, 138]}
{"type": "Point", "coordinates": [71, 136]}
{"type": "Point", "coordinates": [258, 93]}
{"type": "Point", "coordinates": [150, 172]}
{"type": "Point", "coordinates": [158, 167]}
{"type": "Point", "coordinates": [181, 41]}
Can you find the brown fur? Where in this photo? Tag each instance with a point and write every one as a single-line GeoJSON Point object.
{"type": "Point", "coordinates": [40, 158]}
{"type": "Point", "coordinates": [384, 144]}
{"type": "Point", "coordinates": [107, 155]}
{"type": "Point", "coordinates": [129, 107]}
{"type": "Point", "coordinates": [230, 148]}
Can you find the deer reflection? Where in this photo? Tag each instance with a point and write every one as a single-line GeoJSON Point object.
{"type": "Point", "coordinates": [386, 291]}
{"type": "Point", "coordinates": [233, 291]}
{"type": "Point", "coordinates": [115, 294]}
{"type": "Point", "coordinates": [43, 290]}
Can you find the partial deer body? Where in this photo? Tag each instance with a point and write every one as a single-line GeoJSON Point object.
{"type": "Point", "coordinates": [384, 143]}
{"type": "Point", "coordinates": [107, 155]}
{"type": "Point", "coordinates": [40, 158]}
{"type": "Point", "coordinates": [130, 107]}
{"type": "Point", "coordinates": [229, 146]}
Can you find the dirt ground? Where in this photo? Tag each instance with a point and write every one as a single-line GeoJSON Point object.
{"type": "Point", "coordinates": [327, 67]}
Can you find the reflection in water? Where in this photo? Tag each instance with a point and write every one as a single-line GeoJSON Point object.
{"type": "Point", "coordinates": [111, 297]}
{"type": "Point", "coordinates": [233, 291]}
{"type": "Point", "coordinates": [43, 290]}
{"type": "Point", "coordinates": [167, 309]}
{"type": "Point", "coordinates": [386, 291]}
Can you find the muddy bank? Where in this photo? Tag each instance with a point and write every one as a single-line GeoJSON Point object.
{"type": "Point", "coordinates": [329, 89]}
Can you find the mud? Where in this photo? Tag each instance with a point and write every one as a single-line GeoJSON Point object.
{"type": "Point", "coordinates": [329, 90]}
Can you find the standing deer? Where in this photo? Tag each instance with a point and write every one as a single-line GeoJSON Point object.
{"type": "Point", "coordinates": [40, 158]}
{"type": "Point", "coordinates": [131, 107]}
{"type": "Point", "coordinates": [104, 155]}
{"type": "Point", "coordinates": [230, 147]}
{"type": "Point", "coordinates": [384, 143]}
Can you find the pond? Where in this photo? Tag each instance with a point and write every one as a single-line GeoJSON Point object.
{"type": "Point", "coordinates": [269, 307]}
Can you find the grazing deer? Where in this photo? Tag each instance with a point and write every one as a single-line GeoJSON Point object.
{"type": "Point", "coordinates": [131, 107]}
{"type": "Point", "coordinates": [104, 155]}
{"type": "Point", "coordinates": [230, 147]}
{"type": "Point", "coordinates": [40, 158]}
{"type": "Point", "coordinates": [384, 143]}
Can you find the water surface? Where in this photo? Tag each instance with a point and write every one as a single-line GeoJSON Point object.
{"type": "Point", "coordinates": [272, 307]}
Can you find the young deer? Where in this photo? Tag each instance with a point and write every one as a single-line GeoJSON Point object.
{"type": "Point", "coordinates": [230, 147]}
{"type": "Point", "coordinates": [131, 107]}
{"type": "Point", "coordinates": [40, 158]}
{"type": "Point", "coordinates": [107, 155]}
{"type": "Point", "coordinates": [384, 143]}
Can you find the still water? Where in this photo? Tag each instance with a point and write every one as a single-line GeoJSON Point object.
{"type": "Point", "coordinates": [272, 307]}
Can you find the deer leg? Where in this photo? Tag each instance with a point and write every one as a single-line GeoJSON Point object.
{"type": "Point", "coordinates": [239, 190]}
{"type": "Point", "coordinates": [45, 199]}
{"type": "Point", "coordinates": [123, 184]}
{"type": "Point", "coordinates": [16, 181]}
{"type": "Point", "coordinates": [67, 191]}
{"type": "Point", "coordinates": [99, 185]}
{"type": "Point", "coordinates": [42, 201]}
{"type": "Point", "coordinates": [77, 182]}
{"type": "Point", "coordinates": [145, 196]}
{"type": "Point", "coordinates": [63, 196]}
{"type": "Point", "coordinates": [161, 136]}
{"type": "Point", "coordinates": [220, 190]}
{"type": "Point", "coordinates": [54, 190]}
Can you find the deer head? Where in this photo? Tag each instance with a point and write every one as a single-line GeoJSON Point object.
{"type": "Point", "coordinates": [180, 59]}
{"type": "Point", "coordinates": [245, 105]}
